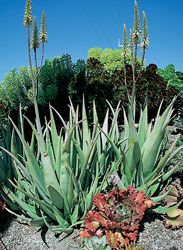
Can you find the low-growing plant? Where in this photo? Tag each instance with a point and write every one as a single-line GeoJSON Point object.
{"type": "Point", "coordinates": [96, 243]}
{"type": "Point", "coordinates": [116, 215]}
{"type": "Point", "coordinates": [174, 217]}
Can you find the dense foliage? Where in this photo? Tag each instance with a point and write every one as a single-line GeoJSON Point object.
{"type": "Point", "coordinates": [150, 87]}
{"type": "Point", "coordinates": [173, 77]}
{"type": "Point", "coordinates": [15, 89]}
{"type": "Point", "coordinates": [60, 79]}
{"type": "Point", "coordinates": [111, 58]}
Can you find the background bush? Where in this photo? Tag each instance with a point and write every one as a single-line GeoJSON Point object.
{"type": "Point", "coordinates": [174, 79]}
{"type": "Point", "coordinates": [100, 78]}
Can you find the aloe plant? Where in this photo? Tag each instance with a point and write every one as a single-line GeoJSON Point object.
{"type": "Point", "coordinates": [10, 142]}
{"type": "Point", "coordinates": [62, 169]}
{"type": "Point", "coordinates": [144, 166]}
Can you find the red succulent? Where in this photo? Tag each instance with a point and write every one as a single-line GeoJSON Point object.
{"type": "Point", "coordinates": [117, 215]}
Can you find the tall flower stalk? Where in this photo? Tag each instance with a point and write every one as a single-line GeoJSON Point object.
{"type": "Point", "coordinates": [35, 40]}
{"type": "Point", "coordinates": [136, 41]}
{"type": "Point", "coordinates": [145, 39]}
{"type": "Point", "coordinates": [137, 38]}
{"type": "Point", "coordinates": [27, 24]}
{"type": "Point", "coordinates": [43, 35]}
{"type": "Point", "coordinates": [144, 43]}
{"type": "Point", "coordinates": [136, 30]}
{"type": "Point", "coordinates": [34, 44]}
{"type": "Point", "coordinates": [124, 56]}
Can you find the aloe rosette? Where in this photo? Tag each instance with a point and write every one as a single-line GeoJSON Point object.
{"type": "Point", "coordinates": [144, 166]}
{"type": "Point", "coordinates": [61, 171]}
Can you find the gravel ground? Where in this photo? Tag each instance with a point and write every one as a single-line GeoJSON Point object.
{"type": "Point", "coordinates": [156, 237]}
{"type": "Point", "coordinates": [22, 237]}
{"type": "Point", "coordinates": [153, 236]}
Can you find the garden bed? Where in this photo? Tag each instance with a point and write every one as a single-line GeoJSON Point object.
{"type": "Point", "coordinates": [153, 234]}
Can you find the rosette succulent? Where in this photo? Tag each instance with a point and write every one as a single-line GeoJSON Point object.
{"type": "Point", "coordinates": [116, 215]}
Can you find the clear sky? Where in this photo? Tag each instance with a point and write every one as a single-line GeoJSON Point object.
{"type": "Point", "coordinates": [74, 26]}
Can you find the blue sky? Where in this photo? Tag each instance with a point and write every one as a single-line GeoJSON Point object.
{"type": "Point", "coordinates": [74, 26]}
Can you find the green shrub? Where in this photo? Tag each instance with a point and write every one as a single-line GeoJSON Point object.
{"type": "Point", "coordinates": [47, 89]}
{"type": "Point", "coordinates": [14, 89]}
{"type": "Point", "coordinates": [172, 77]}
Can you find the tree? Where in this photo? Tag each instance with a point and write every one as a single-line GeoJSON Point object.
{"type": "Point", "coordinates": [98, 86]}
{"type": "Point", "coordinates": [56, 80]}
{"type": "Point", "coordinates": [78, 84]}
{"type": "Point", "coordinates": [112, 59]}
{"type": "Point", "coordinates": [15, 87]}
{"type": "Point", "coordinates": [47, 90]}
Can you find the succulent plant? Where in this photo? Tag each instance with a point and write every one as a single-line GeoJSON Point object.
{"type": "Point", "coordinates": [9, 141]}
{"type": "Point", "coordinates": [61, 170]}
{"type": "Point", "coordinates": [145, 166]}
{"type": "Point", "coordinates": [173, 218]}
{"type": "Point", "coordinates": [96, 243]}
{"type": "Point", "coordinates": [116, 215]}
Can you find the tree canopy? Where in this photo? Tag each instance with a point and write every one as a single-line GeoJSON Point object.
{"type": "Point", "coordinates": [112, 59]}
